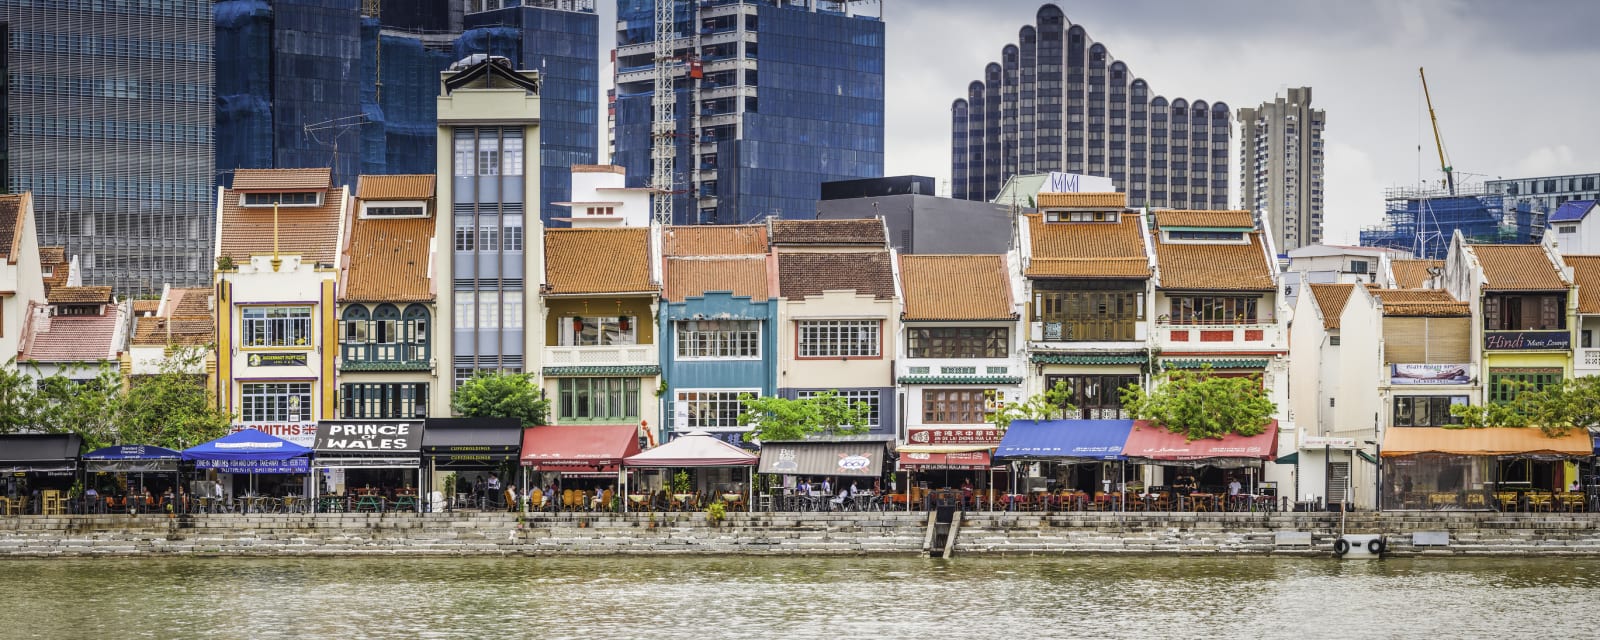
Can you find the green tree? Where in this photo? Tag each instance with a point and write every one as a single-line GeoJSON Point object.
{"type": "Point", "coordinates": [1200, 405]}
{"type": "Point", "coordinates": [85, 407]}
{"type": "Point", "coordinates": [776, 419]}
{"type": "Point", "coordinates": [501, 395]}
{"type": "Point", "coordinates": [171, 408]}
{"type": "Point", "coordinates": [1555, 409]}
{"type": "Point", "coordinates": [1053, 404]}
{"type": "Point", "coordinates": [22, 407]}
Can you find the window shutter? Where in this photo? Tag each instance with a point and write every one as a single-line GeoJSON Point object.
{"type": "Point", "coordinates": [1405, 340]}
{"type": "Point", "coordinates": [1449, 340]}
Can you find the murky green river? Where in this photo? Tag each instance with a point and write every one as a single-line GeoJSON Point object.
{"type": "Point", "coordinates": [857, 598]}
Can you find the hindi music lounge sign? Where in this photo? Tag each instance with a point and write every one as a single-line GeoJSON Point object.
{"type": "Point", "coordinates": [1527, 340]}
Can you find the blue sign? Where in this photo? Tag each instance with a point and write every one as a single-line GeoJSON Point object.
{"type": "Point", "coordinates": [1527, 340]}
{"type": "Point", "coordinates": [289, 465]}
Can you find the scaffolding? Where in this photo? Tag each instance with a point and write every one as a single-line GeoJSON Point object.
{"type": "Point", "coordinates": [1422, 221]}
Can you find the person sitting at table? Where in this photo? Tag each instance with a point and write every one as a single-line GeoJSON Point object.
{"type": "Point", "coordinates": [838, 500]}
{"type": "Point", "coordinates": [511, 498]}
{"type": "Point", "coordinates": [1233, 486]}
{"type": "Point", "coordinates": [804, 488]}
{"type": "Point", "coordinates": [1184, 484]}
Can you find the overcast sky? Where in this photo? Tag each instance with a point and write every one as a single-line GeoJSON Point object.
{"type": "Point", "coordinates": [1514, 83]}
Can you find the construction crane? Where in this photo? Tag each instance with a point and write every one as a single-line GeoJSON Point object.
{"type": "Point", "coordinates": [1438, 142]}
{"type": "Point", "coordinates": [664, 127]}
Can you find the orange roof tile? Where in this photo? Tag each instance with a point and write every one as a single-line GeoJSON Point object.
{"type": "Point", "coordinates": [1213, 219]}
{"type": "Point", "coordinates": [1082, 200]}
{"type": "Point", "coordinates": [692, 277]}
{"type": "Point", "coordinates": [1216, 267]}
{"type": "Point", "coordinates": [189, 303]}
{"type": "Point", "coordinates": [1087, 249]}
{"type": "Point", "coordinates": [399, 187]}
{"type": "Point", "coordinates": [714, 240]}
{"type": "Point", "coordinates": [388, 260]}
{"type": "Point", "coordinates": [969, 287]}
{"type": "Point", "coordinates": [865, 231]}
{"type": "Point", "coordinates": [312, 179]}
{"type": "Point", "coordinates": [143, 307]}
{"type": "Point", "coordinates": [55, 260]}
{"type": "Point", "coordinates": [1518, 267]}
{"type": "Point", "coordinates": [1410, 274]}
{"type": "Point", "coordinates": [599, 168]}
{"type": "Point", "coordinates": [810, 274]}
{"type": "Point", "coordinates": [309, 232]}
{"type": "Point", "coordinates": [1586, 271]}
{"type": "Point", "coordinates": [150, 331]}
{"type": "Point", "coordinates": [1331, 298]}
{"type": "Point", "coordinates": [52, 255]}
{"type": "Point", "coordinates": [73, 339]}
{"type": "Point", "coordinates": [80, 295]}
{"type": "Point", "coordinates": [10, 220]}
{"type": "Point", "coordinates": [597, 260]}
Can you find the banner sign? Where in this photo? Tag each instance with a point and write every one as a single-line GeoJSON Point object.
{"type": "Point", "coordinates": [967, 435]}
{"type": "Point", "coordinates": [277, 359]}
{"type": "Point", "coordinates": [1319, 442]}
{"type": "Point", "coordinates": [300, 433]}
{"type": "Point", "coordinates": [1429, 374]}
{"type": "Point", "coordinates": [368, 436]}
{"type": "Point", "coordinates": [1527, 340]}
{"type": "Point", "coordinates": [292, 465]}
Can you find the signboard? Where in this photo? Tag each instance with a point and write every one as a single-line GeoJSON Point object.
{"type": "Point", "coordinates": [293, 359]}
{"type": "Point", "coordinates": [1319, 442]}
{"type": "Point", "coordinates": [1059, 182]}
{"type": "Point", "coordinates": [300, 433]}
{"type": "Point", "coordinates": [1429, 374]}
{"type": "Point", "coordinates": [1527, 340]}
{"type": "Point", "coordinates": [292, 465]}
{"type": "Point", "coordinates": [368, 436]}
{"type": "Point", "coordinates": [967, 435]}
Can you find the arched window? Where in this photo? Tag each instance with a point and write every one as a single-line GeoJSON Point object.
{"type": "Point", "coordinates": [353, 332]}
{"type": "Point", "coordinates": [416, 331]}
{"type": "Point", "coordinates": [386, 324]}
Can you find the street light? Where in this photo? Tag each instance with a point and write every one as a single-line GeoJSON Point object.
{"type": "Point", "coordinates": [1378, 447]}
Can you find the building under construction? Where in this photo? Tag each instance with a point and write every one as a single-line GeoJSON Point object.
{"type": "Point", "coordinates": [1422, 221]}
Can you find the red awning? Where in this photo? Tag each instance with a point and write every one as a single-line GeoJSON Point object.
{"type": "Point", "coordinates": [956, 461]}
{"type": "Point", "coordinates": [1155, 443]}
{"type": "Point", "coordinates": [578, 447]}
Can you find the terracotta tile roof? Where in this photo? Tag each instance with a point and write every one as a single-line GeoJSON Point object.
{"type": "Point", "coordinates": [388, 260]}
{"type": "Point", "coordinates": [1420, 302]}
{"type": "Point", "coordinates": [52, 255]}
{"type": "Point", "coordinates": [597, 260]}
{"type": "Point", "coordinates": [810, 274]}
{"type": "Point", "coordinates": [1586, 271]}
{"type": "Point", "coordinates": [867, 231]}
{"type": "Point", "coordinates": [742, 275]}
{"type": "Point", "coordinates": [314, 179]}
{"type": "Point", "coordinates": [401, 187]}
{"type": "Point", "coordinates": [1087, 249]}
{"type": "Point", "coordinates": [599, 168]}
{"type": "Point", "coordinates": [10, 219]}
{"type": "Point", "coordinates": [714, 240]}
{"type": "Point", "coordinates": [80, 295]}
{"type": "Point", "coordinates": [1518, 267]}
{"type": "Point", "coordinates": [1185, 218]}
{"type": "Point", "coordinates": [970, 287]}
{"type": "Point", "coordinates": [1331, 298]}
{"type": "Point", "coordinates": [73, 339]}
{"type": "Point", "coordinates": [54, 259]}
{"type": "Point", "coordinates": [1215, 267]}
{"type": "Point", "coordinates": [150, 331]}
{"type": "Point", "coordinates": [309, 232]}
{"type": "Point", "coordinates": [1410, 274]}
{"type": "Point", "coordinates": [143, 307]}
{"type": "Point", "coordinates": [189, 303]}
{"type": "Point", "coordinates": [1082, 200]}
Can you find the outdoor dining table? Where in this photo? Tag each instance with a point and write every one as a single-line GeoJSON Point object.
{"type": "Point", "coordinates": [683, 500]}
{"type": "Point", "coordinates": [370, 502]}
{"type": "Point", "coordinates": [333, 504]}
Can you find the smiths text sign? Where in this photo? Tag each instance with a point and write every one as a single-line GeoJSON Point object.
{"type": "Point", "coordinates": [369, 436]}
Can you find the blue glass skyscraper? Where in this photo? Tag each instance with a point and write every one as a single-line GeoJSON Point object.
{"type": "Point", "coordinates": [774, 97]}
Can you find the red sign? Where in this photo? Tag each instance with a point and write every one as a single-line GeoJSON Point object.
{"type": "Point", "coordinates": [962, 435]}
{"type": "Point", "coordinates": [953, 461]}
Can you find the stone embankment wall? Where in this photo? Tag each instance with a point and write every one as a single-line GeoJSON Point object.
{"type": "Point", "coordinates": [787, 533]}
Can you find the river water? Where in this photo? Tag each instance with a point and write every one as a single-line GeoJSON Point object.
{"type": "Point", "coordinates": [766, 597]}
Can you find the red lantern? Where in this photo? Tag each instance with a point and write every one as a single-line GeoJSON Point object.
{"type": "Point", "coordinates": [577, 325]}
{"type": "Point", "coordinates": [622, 322]}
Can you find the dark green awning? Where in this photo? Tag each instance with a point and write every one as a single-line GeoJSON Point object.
{"type": "Point", "coordinates": [620, 371]}
{"type": "Point", "coordinates": [1216, 363]}
{"type": "Point", "coordinates": [959, 380]}
{"type": "Point", "coordinates": [1367, 456]}
{"type": "Point", "coordinates": [1292, 458]}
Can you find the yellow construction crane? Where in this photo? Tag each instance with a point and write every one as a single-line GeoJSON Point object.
{"type": "Point", "coordinates": [1438, 142]}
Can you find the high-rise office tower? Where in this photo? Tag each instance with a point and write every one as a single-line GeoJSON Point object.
{"type": "Point", "coordinates": [1058, 101]}
{"type": "Point", "coordinates": [1280, 167]}
{"type": "Point", "coordinates": [111, 129]}
{"type": "Point", "coordinates": [773, 98]}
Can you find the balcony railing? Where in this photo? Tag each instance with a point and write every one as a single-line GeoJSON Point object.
{"type": "Point", "coordinates": [1589, 358]}
{"type": "Point", "coordinates": [1200, 333]}
{"type": "Point", "coordinates": [384, 357]}
{"type": "Point", "coordinates": [632, 354]}
{"type": "Point", "coordinates": [1089, 331]}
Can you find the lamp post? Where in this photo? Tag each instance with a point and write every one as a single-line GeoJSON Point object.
{"type": "Point", "coordinates": [1378, 449]}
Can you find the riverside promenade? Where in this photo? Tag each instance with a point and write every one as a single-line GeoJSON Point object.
{"type": "Point", "coordinates": [981, 533]}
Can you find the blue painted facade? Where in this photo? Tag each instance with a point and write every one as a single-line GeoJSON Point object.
{"type": "Point", "coordinates": [705, 374]}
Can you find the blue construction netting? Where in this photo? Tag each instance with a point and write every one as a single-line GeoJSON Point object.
{"type": "Point", "coordinates": [1424, 222]}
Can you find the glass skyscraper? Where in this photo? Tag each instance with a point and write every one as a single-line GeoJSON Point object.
{"type": "Point", "coordinates": [111, 124]}
{"type": "Point", "coordinates": [1058, 101]}
{"type": "Point", "coordinates": [774, 97]}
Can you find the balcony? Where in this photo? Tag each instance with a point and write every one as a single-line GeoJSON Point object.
{"type": "Point", "coordinates": [1220, 336]}
{"type": "Point", "coordinates": [604, 356]}
{"type": "Point", "coordinates": [1087, 331]}
{"type": "Point", "coordinates": [1588, 362]}
{"type": "Point", "coordinates": [384, 357]}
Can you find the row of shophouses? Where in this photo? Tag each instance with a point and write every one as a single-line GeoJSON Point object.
{"type": "Point", "coordinates": [377, 304]}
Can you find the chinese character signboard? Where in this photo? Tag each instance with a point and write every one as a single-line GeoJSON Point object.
{"type": "Point", "coordinates": [962, 435]}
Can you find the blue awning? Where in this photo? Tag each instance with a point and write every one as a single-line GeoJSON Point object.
{"type": "Point", "coordinates": [132, 452]}
{"type": "Point", "coordinates": [1596, 443]}
{"type": "Point", "coordinates": [1070, 440]}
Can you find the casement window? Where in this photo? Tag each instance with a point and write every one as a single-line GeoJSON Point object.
{"type": "Point", "coordinates": [276, 326]}
{"type": "Point", "coordinates": [1214, 309]}
{"type": "Point", "coordinates": [711, 410]}
{"type": "Point", "coordinates": [591, 331]}
{"type": "Point", "coordinates": [958, 342]}
{"type": "Point", "coordinates": [291, 199]}
{"type": "Point", "coordinates": [1097, 397]}
{"type": "Point", "coordinates": [275, 402]}
{"type": "Point", "coordinates": [838, 338]}
{"type": "Point", "coordinates": [382, 401]}
{"type": "Point", "coordinates": [598, 398]}
{"type": "Point", "coordinates": [719, 338]}
{"type": "Point", "coordinates": [1426, 411]}
{"type": "Point", "coordinates": [954, 406]}
{"type": "Point", "coordinates": [1506, 384]}
{"type": "Point", "coordinates": [869, 397]}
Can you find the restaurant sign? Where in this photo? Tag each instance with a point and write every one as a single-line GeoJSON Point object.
{"type": "Point", "coordinates": [1319, 442]}
{"type": "Point", "coordinates": [278, 359]}
{"type": "Point", "coordinates": [1527, 340]}
{"type": "Point", "coordinates": [300, 433]}
{"type": "Point", "coordinates": [1428, 374]}
{"type": "Point", "coordinates": [369, 436]}
{"type": "Point", "coordinates": [966, 435]}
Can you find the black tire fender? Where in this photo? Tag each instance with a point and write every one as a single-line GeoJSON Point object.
{"type": "Point", "coordinates": [1341, 547]}
{"type": "Point", "coordinates": [1375, 546]}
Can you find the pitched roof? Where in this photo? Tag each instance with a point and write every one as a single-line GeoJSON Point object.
{"type": "Point", "coordinates": [1586, 271]}
{"type": "Point", "coordinates": [694, 276]}
{"type": "Point", "coordinates": [1518, 267]}
{"type": "Point", "coordinates": [52, 255]}
{"type": "Point", "coordinates": [189, 303]}
{"type": "Point", "coordinates": [864, 231]}
{"type": "Point", "coordinates": [1572, 211]}
{"type": "Point", "coordinates": [10, 219]}
{"type": "Point", "coordinates": [309, 232]}
{"type": "Point", "coordinates": [810, 274]}
{"type": "Point", "coordinates": [1082, 200]}
{"type": "Point", "coordinates": [141, 307]}
{"type": "Point", "coordinates": [1215, 267]}
{"type": "Point", "coordinates": [1087, 249]}
{"type": "Point", "coordinates": [714, 240]}
{"type": "Point", "coordinates": [73, 339]}
{"type": "Point", "coordinates": [399, 187]}
{"type": "Point", "coordinates": [312, 179]}
{"type": "Point", "coordinates": [597, 260]}
{"type": "Point", "coordinates": [1410, 274]}
{"type": "Point", "coordinates": [388, 260]}
{"type": "Point", "coordinates": [1331, 298]}
{"type": "Point", "coordinates": [80, 295]}
{"type": "Point", "coordinates": [55, 258]}
{"type": "Point", "coordinates": [153, 331]}
{"type": "Point", "coordinates": [1213, 219]}
{"type": "Point", "coordinates": [1420, 303]}
{"type": "Point", "coordinates": [968, 287]}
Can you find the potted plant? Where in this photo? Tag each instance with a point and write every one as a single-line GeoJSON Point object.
{"type": "Point", "coordinates": [715, 512]}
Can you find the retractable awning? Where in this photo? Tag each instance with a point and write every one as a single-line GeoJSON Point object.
{"type": "Point", "coordinates": [856, 458]}
{"type": "Point", "coordinates": [39, 452]}
{"type": "Point", "coordinates": [132, 458]}
{"type": "Point", "coordinates": [471, 443]}
{"type": "Point", "coordinates": [1155, 443]}
{"type": "Point", "coordinates": [1065, 440]}
{"type": "Point", "coordinates": [1495, 441]}
{"type": "Point", "coordinates": [579, 447]}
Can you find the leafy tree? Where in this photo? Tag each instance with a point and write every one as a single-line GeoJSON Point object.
{"type": "Point", "coordinates": [1053, 404]}
{"type": "Point", "coordinates": [85, 407]}
{"type": "Point", "coordinates": [501, 395]}
{"type": "Point", "coordinates": [1555, 409]}
{"type": "Point", "coordinates": [775, 419]}
{"type": "Point", "coordinates": [1200, 405]}
{"type": "Point", "coordinates": [171, 408]}
{"type": "Point", "coordinates": [21, 406]}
